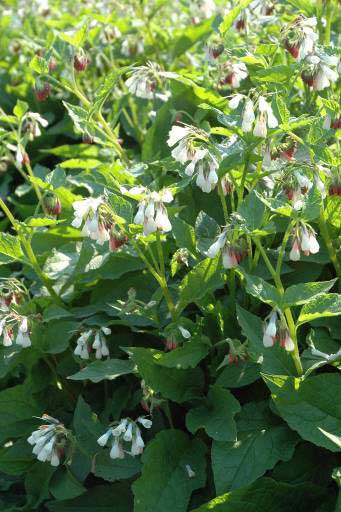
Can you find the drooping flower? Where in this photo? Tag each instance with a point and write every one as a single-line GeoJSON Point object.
{"type": "Point", "coordinates": [86, 212]}
{"type": "Point", "coordinates": [233, 73]}
{"type": "Point", "coordinates": [23, 337]}
{"type": "Point", "coordinates": [98, 343]}
{"type": "Point", "coordinates": [48, 441]}
{"type": "Point", "coordinates": [304, 239]}
{"type": "Point", "coordinates": [318, 72]}
{"type": "Point", "coordinates": [276, 330]}
{"type": "Point", "coordinates": [126, 431]}
{"type": "Point", "coordinates": [232, 251]}
{"type": "Point", "coordinates": [265, 118]}
{"type": "Point", "coordinates": [152, 212]}
{"type": "Point", "coordinates": [300, 37]}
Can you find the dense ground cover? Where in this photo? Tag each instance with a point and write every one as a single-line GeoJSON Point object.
{"type": "Point", "coordinates": [169, 256]}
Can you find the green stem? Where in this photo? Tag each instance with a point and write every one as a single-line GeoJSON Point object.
{"type": "Point", "coordinates": [282, 250]}
{"type": "Point", "coordinates": [161, 280]}
{"type": "Point", "coordinates": [329, 244]}
{"type": "Point", "coordinates": [329, 16]}
{"type": "Point", "coordinates": [287, 311]}
{"type": "Point", "coordinates": [242, 183]}
{"type": "Point", "coordinates": [35, 187]}
{"type": "Point", "coordinates": [223, 202]}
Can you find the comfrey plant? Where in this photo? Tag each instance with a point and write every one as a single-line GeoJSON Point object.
{"type": "Point", "coordinates": [170, 255]}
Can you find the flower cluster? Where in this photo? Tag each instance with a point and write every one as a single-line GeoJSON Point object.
{"type": "Point", "coordinates": [126, 431]}
{"type": "Point", "coordinates": [232, 251]}
{"type": "Point", "coordinates": [49, 441]}
{"type": "Point", "coordinates": [276, 329]}
{"type": "Point", "coordinates": [233, 73]}
{"type": "Point", "coordinates": [152, 213]}
{"type": "Point", "coordinates": [300, 37]}
{"type": "Point", "coordinates": [97, 222]}
{"type": "Point", "coordinates": [304, 239]}
{"type": "Point", "coordinates": [144, 80]}
{"type": "Point", "coordinates": [8, 323]}
{"type": "Point", "coordinates": [191, 145]}
{"type": "Point", "coordinates": [93, 340]}
{"type": "Point", "coordinates": [318, 72]}
{"type": "Point", "coordinates": [264, 119]}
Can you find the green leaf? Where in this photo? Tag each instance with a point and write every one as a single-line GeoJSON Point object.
{"type": "Point", "coordinates": [261, 443]}
{"type": "Point", "coordinates": [104, 370]}
{"type": "Point", "coordinates": [64, 486]}
{"type": "Point", "coordinates": [275, 357]}
{"type": "Point", "coordinates": [304, 292]}
{"type": "Point", "coordinates": [282, 109]}
{"type": "Point", "coordinates": [262, 290]}
{"type": "Point", "coordinates": [232, 16]}
{"type": "Point", "coordinates": [325, 304]}
{"type": "Point", "coordinates": [202, 279]}
{"type": "Point", "coordinates": [186, 356]}
{"type": "Point", "coordinates": [216, 416]}
{"type": "Point", "coordinates": [311, 204]}
{"type": "Point", "coordinates": [37, 484]}
{"type": "Point", "coordinates": [57, 335]}
{"type": "Point", "coordinates": [239, 375]}
{"type": "Point", "coordinates": [267, 495]}
{"type": "Point", "coordinates": [312, 407]}
{"type": "Point", "coordinates": [17, 406]}
{"type": "Point", "coordinates": [252, 210]}
{"type": "Point", "coordinates": [10, 246]}
{"type": "Point", "coordinates": [117, 469]}
{"type": "Point", "coordinates": [39, 65]}
{"type": "Point", "coordinates": [16, 458]}
{"type": "Point", "coordinates": [184, 234]}
{"type": "Point", "coordinates": [177, 385]}
{"type": "Point", "coordinates": [38, 222]}
{"type": "Point", "coordinates": [275, 74]}
{"type": "Point", "coordinates": [87, 430]}
{"type": "Point", "coordinates": [165, 484]}
{"type": "Point", "coordinates": [121, 207]}
{"type": "Point", "coordinates": [101, 498]}
{"type": "Point", "coordinates": [21, 107]}
{"type": "Point", "coordinates": [206, 229]}
{"type": "Point", "coordinates": [77, 38]}
{"type": "Point", "coordinates": [187, 37]}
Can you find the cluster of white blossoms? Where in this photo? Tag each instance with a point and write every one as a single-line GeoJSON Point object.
{"type": "Point", "coordinates": [232, 254]}
{"type": "Point", "coordinates": [151, 211]}
{"type": "Point", "coordinates": [200, 159]}
{"type": "Point", "coordinates": [144, 80]}
{"type": "Point", "coordinates": [304, 239]}
{"type": "Point", "coordinates": [32, 123]}
{"type": "Point", "coordinates": [233, 74]}
{"type": "Point", "coordinates": [98, 343]}
{"type": "Point", "coordinates": [126, 431]}
{"type": "Point", "coordinates": [264, 119]}
{"type": "Point", "coordinates": [48, 441]}
{"type": "Point", "coordinates": [276, 329]}
{"type": "Point", "coordinates": [86, 213]}
{"type": "Point", "coordinates": [319, 73]}
{"type": "Point", "coordinates": [7, 324]}
{"type": "Point", "coordinates": [300, 37]}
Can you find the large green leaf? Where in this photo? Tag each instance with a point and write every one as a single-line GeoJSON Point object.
{"type": "Point", "coordinates": [104, 370]}
{"type": "Point", "coordinates": [326, 304]}
{"type": "Point", "coordinates": [267, 495]}
{"type": "Point", "coordinates": [17, 406]}
{"type": "Point", "coordinates": [101, 498]}
{"type": "Point", "coordinates": [216, 416]}
{"type": "Point", "coordinates": [273, 357]}
{"type": "Point", "coordinates": [252, 210]}
{"type": "Point", "coordinates": [304, 292]}
{"type": "Point", "coordinates": [10, 246]}
{"type": "Point", "coordinates": [178, 385]}
{"type": "Point", "coordinates": [312, 406]}
{"type": "Point", "coordinates": [186, 356]}
{"type": "Point", "coordinates": [117, 469]}
{"type": "Point", "coordinates": [261, 443]}
{"type": "Point", "coordinates": [262, 290]}
{"type": "Point", "coordinates": [202, 279]}
{"type": "Point", "coordinates": [165, 484]}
